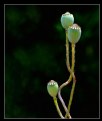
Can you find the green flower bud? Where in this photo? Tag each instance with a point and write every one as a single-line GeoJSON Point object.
{"type": "Point", "coordinates": [67, 20]}
{"type": "Point", "coordinates": [52, 88]}
{"type": "Point", "coordinates": [74, 33]}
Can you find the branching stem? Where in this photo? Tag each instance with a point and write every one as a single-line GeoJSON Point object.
{"type": "Point", "coordinates": [62, 101]}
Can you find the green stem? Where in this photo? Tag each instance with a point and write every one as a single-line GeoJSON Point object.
{"type": "Point", "coordinates": [73, 57]}
{"type": "Point", "coordinates": [72, 75]}
{"type": "Point", "coordinates": [67, 59]}
{"type": "Point", "coordinates": [57, 107]}
{"type": "Point", "coordinates": [70, 78]}
{"type": "Point", "coordinates": [74, 80]}
{"type": "Point", "coordinates": [67, 52]}
{"type": "Point", "coordinates": [62, 101]}
{"type": "Point", "coordinates": [67, 82]}
{"type": "Point", "coordinates": [71, 95]}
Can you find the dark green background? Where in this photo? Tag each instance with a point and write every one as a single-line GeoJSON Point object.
{"type": "Point", "coordinates": [35, 54]}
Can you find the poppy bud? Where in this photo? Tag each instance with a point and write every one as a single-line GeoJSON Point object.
{"type": "Point", "coordinates": [74, 33]}
{"type": "Point", "coordinates": [52, 88]}
{"type": "Point", "coordinates": [67, 20]}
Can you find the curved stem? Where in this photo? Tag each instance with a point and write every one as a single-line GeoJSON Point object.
{"type": "Point", "coordinates": [69, 80]}
{"type": "Point", "coordinates": [62, 101]}
{"type": "Point", "coordinates": [57, 107]}
{"type": "Point", "coordinates": [67, 59]}
{"type": "Point", "coordinates": [71, 94]}
{"type": "Point", "coordinates": [71, 70]}
{"type": "Point", "coordinates": [74, 79]}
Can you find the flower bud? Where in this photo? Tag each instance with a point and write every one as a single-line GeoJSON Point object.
{"type": "Point", "coordinates": [52, 88]}
{"type": "Point", "coordinates": [74, 33]}
{"type": "Point", "coordinates": [67, 20]}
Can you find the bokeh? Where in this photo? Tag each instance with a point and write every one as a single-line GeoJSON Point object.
{"type": "Point", "coordinates": [35, 54]}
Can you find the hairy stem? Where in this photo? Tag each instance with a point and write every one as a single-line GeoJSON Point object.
{"type": "Point", "coordinates": [74, 79]}
{"type": "Point", "coordinates": [73, 57]}
{"type": "Point", "coordinates": [67, 59]}
{"type": "Point", "coordinates": [57, 107]}
{"type": "Point", "coordinates": [67, 53]}
{"type": "Point", "coordinates": [62, 101]}
{"type": "Point", "coordinates": [68, 81]}
{"type": "Point", "coordinates": [71, 95]}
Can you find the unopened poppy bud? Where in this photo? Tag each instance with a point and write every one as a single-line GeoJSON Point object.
{"type": "Point", "coordinates": [52, 88]}
{"type": "Point", "coordinates": [67, 20]}
{"type": "Point", "coordinates": [74, 33]}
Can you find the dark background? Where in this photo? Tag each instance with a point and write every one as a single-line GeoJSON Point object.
{"type": "Point", "coordinates": [35, 54]}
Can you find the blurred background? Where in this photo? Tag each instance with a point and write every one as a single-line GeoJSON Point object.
{"type": "Point", "coordinates": [35, 54]}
